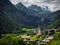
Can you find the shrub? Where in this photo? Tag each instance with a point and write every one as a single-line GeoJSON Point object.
{"type": "Point", "coordinates": [10, 39]}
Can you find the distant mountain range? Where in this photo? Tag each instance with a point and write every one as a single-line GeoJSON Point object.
{"type": "Point", "coordinates": [18, 16]}
{"type": "Point", "coordinates": [39, 11]}
{"type": "Point", "coordinates": [35, 10]}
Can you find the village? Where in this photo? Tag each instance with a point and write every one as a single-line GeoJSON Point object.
{"type": "Point", "coordinates": [47, 34]}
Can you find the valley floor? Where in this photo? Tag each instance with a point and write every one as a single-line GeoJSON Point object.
{"type": "Point", "coordinates": [13, 39]}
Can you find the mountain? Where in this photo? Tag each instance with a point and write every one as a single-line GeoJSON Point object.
{"type": "Point", "coordinates": [39, 11]}
{"type": "Point", "coordinates": [42, 13]}
{"type": "Point", "coordinates": [55, 19]}
{"type": "Point", "coordinates": [35, 10]}
{"type": "Point", "coordinates": [21, 7]}
{"type": "Point", "coordinates": [56, 14]}
{"type": "Point", "coordinates": [6, 25]}
{"type": "Point", "coordinates": [13, 19]}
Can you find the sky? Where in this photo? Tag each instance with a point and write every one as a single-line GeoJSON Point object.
{"type": "Point", "coordinates": [53, 5]}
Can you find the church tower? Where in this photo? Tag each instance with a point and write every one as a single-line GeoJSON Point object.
{"type": "Point", "coordinates": [39, 31]}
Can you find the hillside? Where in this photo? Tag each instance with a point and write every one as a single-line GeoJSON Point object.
{"type": "Point", "coordinates": [6, 25]}
{"type": "Point", "coordinates": [55, 18]}
{"type": "Point", "coordinates": [34, 10]}
{"type": "Point", "coordinates": [13, 19]}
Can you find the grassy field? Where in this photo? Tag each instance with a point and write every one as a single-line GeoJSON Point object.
{"type": "Point", "coordinates": [56, 41]}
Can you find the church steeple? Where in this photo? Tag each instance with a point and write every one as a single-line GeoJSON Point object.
{"type": "Point", "coordinates": [39, 32]}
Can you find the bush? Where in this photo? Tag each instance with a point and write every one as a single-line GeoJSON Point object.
{"type": "Point", "coordinates": [57, 36]}
{"type": "Point", "coordinates": [10, 39]}
{"type": "Point", "coordinates": [56, 41]}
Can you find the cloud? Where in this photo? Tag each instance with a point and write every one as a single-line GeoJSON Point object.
{"type": "Point", "coordinates": [52, 4]}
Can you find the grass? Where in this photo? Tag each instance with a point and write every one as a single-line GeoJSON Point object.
{"type": "Point", "coordinates": [56, 41]}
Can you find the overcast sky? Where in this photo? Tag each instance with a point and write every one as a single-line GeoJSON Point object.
{"type": "Point", "coordinates": [53, 5]}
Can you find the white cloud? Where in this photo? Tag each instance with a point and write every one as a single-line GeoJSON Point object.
{"type": "Point", "coordinates": [52, 4]}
